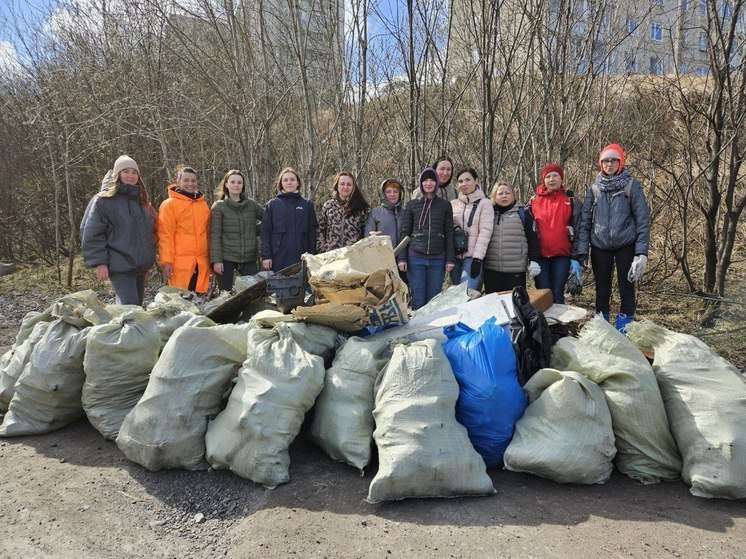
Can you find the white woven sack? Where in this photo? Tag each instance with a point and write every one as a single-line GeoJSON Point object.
{"type": "Point", "coordinates": [170, 317]}
{"type": "Point", "coordinates": [422, 450]}
{"type": "Point", "coordinates": [565, 434]}
{"type": "Point", "coordinates": [166, 429]}
{"type": "Point", "coordinates": [646, 450]}
{"type": "Point", "coordinates": [15, 360]}
{"type": "Point", "coordinates": [343, 416]}
{"type": "Point", "coordinates": [705, 398]}
{"type": "Point", "coordinates": [118, 359]}
{"type": "Point", "coordinates": [47, 394]}
{"type": "Point", "coordinates": [30, 320]}
{"type": "Point", "coordinates": [278, 383]}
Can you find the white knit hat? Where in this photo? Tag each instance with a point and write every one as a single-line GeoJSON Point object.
{"type": "Point", "coordinates": [124, 162]}
{"type": "Point", "coordinates": [610, 153]}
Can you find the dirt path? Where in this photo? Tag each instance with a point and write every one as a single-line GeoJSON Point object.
{"type": "Point", "coordinates": [72, 494]}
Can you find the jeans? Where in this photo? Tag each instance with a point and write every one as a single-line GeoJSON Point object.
{"type": "Point", "coordinates": [602, 262]}
{"type": "Point", "coordinates": [495, 282]}
{"type": "Point", "coordinates": [129, 288]}
{"type": "Point", "coordinates": [462, 272]}
{"type": "Point", "coordinates": [426, 277]}
{"type": "Point", "coordinates": [225, 281]}
{"type": "Point", "coordinates": [554, 272]}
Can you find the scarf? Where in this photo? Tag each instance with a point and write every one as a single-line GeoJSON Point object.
{"type": "Point", "coordinates": [615, 182]}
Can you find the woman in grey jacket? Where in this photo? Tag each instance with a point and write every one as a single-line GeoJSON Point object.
{"type": "Point", "coordinates": [615, 229]}
{"type": "Point", "coordinates": [234, 225]}
{"type": "Point", "coordinates": [386, 218]}
{"type": "Point", "coordinates": [118, 232]}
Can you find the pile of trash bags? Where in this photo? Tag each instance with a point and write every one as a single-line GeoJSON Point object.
{"type": "Point", "coordinates": [173, 389]}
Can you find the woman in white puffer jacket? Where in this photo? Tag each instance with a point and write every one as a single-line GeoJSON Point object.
{"type": "Point", "coordinates": [472, 211]}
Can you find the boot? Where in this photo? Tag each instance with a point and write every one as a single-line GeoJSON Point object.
{"type": "Point", "coordinates": [622, 321]}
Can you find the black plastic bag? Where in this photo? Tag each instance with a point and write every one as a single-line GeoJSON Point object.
{"type": "Point", "coordinates": [530, 335]}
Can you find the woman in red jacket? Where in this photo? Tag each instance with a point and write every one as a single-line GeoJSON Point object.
{"type": "Point", "coordinates": [554, 213]}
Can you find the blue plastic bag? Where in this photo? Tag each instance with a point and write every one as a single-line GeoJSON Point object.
{"type": "Point", "coordinates": [491, 399]}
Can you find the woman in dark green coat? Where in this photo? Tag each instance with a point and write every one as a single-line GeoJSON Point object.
{"type": "Point", "coordinates": [234, 224]}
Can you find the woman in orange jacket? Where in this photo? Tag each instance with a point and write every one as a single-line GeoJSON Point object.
{"type": "Point", "coordinates": [184, 234]}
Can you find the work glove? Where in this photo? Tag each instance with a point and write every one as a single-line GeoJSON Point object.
{"type": "Point", "coordinates": [476, 267]}
{"type": "Point", "coordinates": [574, 285]}
{"type": "Point", "coordinates": [639, 265]}
{"type": "Point", "coordinates": [533, 269]}
{"type": "Point", "coordinates": [576, 268]}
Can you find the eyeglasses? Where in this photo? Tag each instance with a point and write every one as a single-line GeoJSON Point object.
{"type": "Point", "coordinates": [608, 161]}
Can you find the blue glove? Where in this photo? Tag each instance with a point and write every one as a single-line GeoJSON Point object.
{"type": "Point", "coordinates": [576, 268]}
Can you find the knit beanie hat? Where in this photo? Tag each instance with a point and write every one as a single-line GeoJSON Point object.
{"type": "Point", "coordinates": [552, 167]}
{"type": "Point", "coordinates": [429, 173]}
{"type": "Point", "coordinates": [612, 151]}
{"type": "Point", "coordinates": [124, 162]}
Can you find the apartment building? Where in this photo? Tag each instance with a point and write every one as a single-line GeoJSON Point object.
{"type": "Point", "coordinates": [300, 33]}
{"type": "Point", "coordinates": [605, 36]}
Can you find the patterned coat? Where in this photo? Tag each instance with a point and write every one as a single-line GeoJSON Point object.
{"type": "Point", "coordinates": [335, 229]}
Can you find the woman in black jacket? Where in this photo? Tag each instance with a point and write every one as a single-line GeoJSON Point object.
{"type": "Point", "coordinates": [428, 221]}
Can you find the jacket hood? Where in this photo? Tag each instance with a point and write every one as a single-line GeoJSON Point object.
{"type": "Point", "coordinates": [478, 194]}
{"type": "Point", "coordinates": [131, 191]}
{"type": "Point", "coordinates": [542, 190]}
{"type": "Point", "coordinates": [428, 172]}
{"type": "Point", "coordinates": [283, 194]}
{"type": "Point", "coordinates": [172, 193]}
{"type": "Point", "coordinates": [399, 186]}
{"type": "Point", "coordinates": [231, 203]}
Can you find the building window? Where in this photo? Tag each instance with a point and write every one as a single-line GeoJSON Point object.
{"type": "Point", "coordinates": [656, 32]}
{"type": "Point", "coordinates": [631, 26]}
{"type": "Point", "coordinates": [656, 66]}
{"type": "Point", "coordinates": [684, 5]}
{"type": "Point", "coordinates": [630, 64]}
{"type": "Point", "coordinates": [702, 41]}
{"type": "Point", "coordinates": [657, 2]}
{"type": "Point", "coordinates": [727, 10]}
{"type": "Point", "coordinates": [703, 7]}
{"type": "Point", "coordinates": [703, 71]}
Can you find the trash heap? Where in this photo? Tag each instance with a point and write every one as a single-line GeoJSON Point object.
{"type": "Point", "coordinates": [176, 390]}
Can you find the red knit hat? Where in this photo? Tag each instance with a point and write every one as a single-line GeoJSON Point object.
{"type": "Point", "coordinates": [556, 167]}
{"type": "Point", "coordinates": [612, 151]}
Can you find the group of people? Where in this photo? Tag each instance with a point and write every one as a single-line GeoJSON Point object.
{"type": "Point", "coordinates": [486, 240]}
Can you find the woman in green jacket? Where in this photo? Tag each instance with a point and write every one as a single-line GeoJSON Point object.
{"type": "Point", "coordinates": [234, 224]}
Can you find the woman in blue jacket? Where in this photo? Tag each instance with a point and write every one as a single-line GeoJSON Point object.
{"type": "Point", "coordinates": [288, 224]}
{"type": "Point", "coordinates": [615, 230]}
{"type": "Point", "coordinates": [118, 233]}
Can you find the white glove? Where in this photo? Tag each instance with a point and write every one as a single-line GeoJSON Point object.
{"type": "Point", "coordinates": [533, 269]}
{"type": "Point", "coordinates": [639, 265]}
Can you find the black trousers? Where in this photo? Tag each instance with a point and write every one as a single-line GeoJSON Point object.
{"type": "Point", "coordinates": [502, 281]}
{"type": "Point", "coordinates": [602, 262]}
{"type": "Point", "coordinates": [225, 281]}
